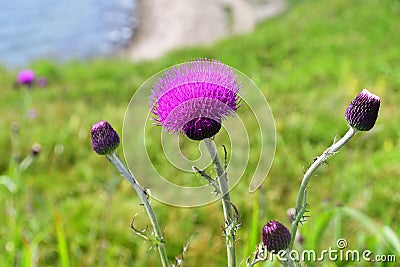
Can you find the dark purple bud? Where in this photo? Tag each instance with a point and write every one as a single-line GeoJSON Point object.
{"type": "Point", "coordinates": [362, 112]}
{"type": "Point", "coordinates": [275, 236]}
{"type": "Point", "coordinates": [201, 128]}
{"type": "Point", "coordinates": [26, 77]}
{"type": "Point", "coordinates": [104, 138]}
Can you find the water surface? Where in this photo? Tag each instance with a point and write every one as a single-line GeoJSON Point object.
{"type": "Point", "coordinates": [64, 29]}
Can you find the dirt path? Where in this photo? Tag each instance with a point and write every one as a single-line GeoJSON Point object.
{"type": "Point", "coordinates": [169, 24]}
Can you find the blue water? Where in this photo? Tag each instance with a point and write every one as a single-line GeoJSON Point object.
{"type": "Point", "coordinates": [63, 29]}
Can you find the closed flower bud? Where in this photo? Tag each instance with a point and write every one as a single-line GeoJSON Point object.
{"type": "Point", "coordinates": [275, 236]}
{"type": "Point", "coordinates": [35, 151]}
{"type": "Point", "coordinates": [104, 138]}
{"type": "Point", "coordinates": [362, 112]}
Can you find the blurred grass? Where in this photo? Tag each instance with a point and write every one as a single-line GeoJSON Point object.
{"type": "Point", "coordinates": [309, 62]}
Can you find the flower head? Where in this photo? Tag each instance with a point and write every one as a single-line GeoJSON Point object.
{"type": "Point", "coordinates": [194, 97]}
{"type": "Point", "coordinates": [275, 236]}
{"type": "Point", "coordinates": [104, 138]}
{"type": "Point", "coordinates": [41, 82]}
{"type": "Point", "coordinates": [26, 77]}
{"type": "Point", "coordinates": [362, 112]}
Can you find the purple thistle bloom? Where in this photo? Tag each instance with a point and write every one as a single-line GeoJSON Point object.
{"type": "Point", "coordinates": [275, 236]}
{"type": "Point", "coordinates": [26, 77]}
{"type": "Point", "coordinates": [362, 112]}
{"type": "Point", "coordinates": [41, 82]}
{"type": "Point", "coordinates": [194, 97]}
{"type": "Point", "coordinates": [104, 138]}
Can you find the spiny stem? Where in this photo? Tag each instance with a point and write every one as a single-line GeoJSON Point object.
{"type": "Point", "coordinates": [143, 197]}
{"type": "Point", "coordinates": [226, 200]}
{"type": "Point", "coordinates": [300, 202]}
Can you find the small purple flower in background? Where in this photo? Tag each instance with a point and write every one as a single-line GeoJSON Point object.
{"type": "Point", "coordinates": [104, 138]}
{"type": "Point", "coordinates": [26, 77]}
{"type": "Point", "coordinates": [41, 82]}
{"type": "Point", "coordinates": [193, 98]}
{"type": "Point", "coordinates": [291, 214]}
{"type": "Point", "coordinates": [362, 112]}
{"type": "Point", "coordinates": [32, 114]}
{"type": "Point", "coordinates": [275, 236]}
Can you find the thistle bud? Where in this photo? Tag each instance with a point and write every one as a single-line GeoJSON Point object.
{"type": "Point", "coordinates": [362, 112]}
{"type": "Point", "coordinates": [104, 138]}
{"type": "Point", "coordinates": [200, 128]}
{"type": "Point", "coordinates": [35, 151]}
{"type": "Point", "coordinates": [275, 236]}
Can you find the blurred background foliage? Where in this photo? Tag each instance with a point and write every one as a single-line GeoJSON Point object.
{"type": "Point", "coordinates": [71, 208]}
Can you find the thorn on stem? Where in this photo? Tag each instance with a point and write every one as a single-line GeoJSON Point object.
{"type": "Point", "coordinates": [208, 178]}
{"type": "Point", "coordinates": [225, 157]}
{"type": "Point", "coordinates": [179, 258]}
{"type": "Point", "coordinates": [237, 214]}
{"type": "Point", "coordinates": [141, 233]}
{"type": "Point", "coordinates": [155, 241]}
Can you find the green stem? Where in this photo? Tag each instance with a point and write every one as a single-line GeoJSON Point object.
{"type": "Point", "coordinates": [289, 262]}
{"type": "Point", "coordinates": [226, 200]}
{"type": "Point", "coordinates": [143, 197]}
{"type": "Point", "coordinates": [300, 202]}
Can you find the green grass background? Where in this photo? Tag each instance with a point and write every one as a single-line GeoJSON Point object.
{"type": "Point", "coordinates": [71, 208]}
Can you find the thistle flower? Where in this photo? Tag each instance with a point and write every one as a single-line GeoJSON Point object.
{"type": "Point", "coordinates": [104, 138]}
{"type": "Point", "coordinates": [275, 236]}
{"type": "Point", "coordinates": [193, 98]}
{"type": "Point", "coordinates": [41, 82]}
{"type": "Point", "coordinates": [26, 77]}
{"type": "Point", "coordinates": [362, 112]}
